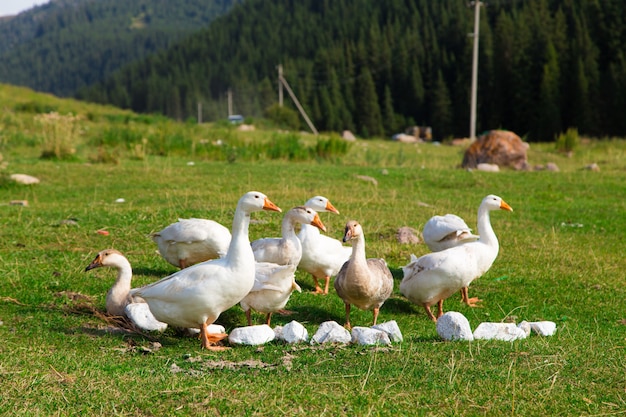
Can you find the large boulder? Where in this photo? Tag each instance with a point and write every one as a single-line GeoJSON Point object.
{"type": "Point", "coordinates": [499, 147]}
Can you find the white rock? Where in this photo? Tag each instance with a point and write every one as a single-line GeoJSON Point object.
{"type": "Point", "coordinates": [392, 330]}
{"type": "Point", "coordinates": [331, 332]}
{"type": "Point", "coordinates": [251, 335]}
{"type": "Point", "coordinates": [525, 326]}
{"type": "Point", "coordinates": [369, 336]}
{"type": "Point", "coordinates": [24, 179]}
{"type": "Point", "coordinates": [120, 200]}
{"type": "Point", "coordinates": [292, 332]}
{"type": "Point", "coordinates": [543, 328]}
{"type": "Point", "coordinates": [499, 331]}
{"type": "Point", "coordinates": [488, 167]}
{"type": "Point", "coordinates": [454, 326]}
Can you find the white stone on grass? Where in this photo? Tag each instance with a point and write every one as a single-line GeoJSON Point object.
{"type": "Point", "coordinates": [369, 336]}
{"type": "Point", "coordinates": [454, 326]}
{"type": "Point", "coordinates": [331, 332]}
{"type": "Point", "coordinates": [392, 329]}
{"type": "Point", "coordinates": [525, 326]}
{"type": "Point", "coordinates": [543, 328]}
{"type": "Point", "coordinates": [24, 179]}
{"type": "Point", "coordinates": [292, 332]}
{"type": "Point", "coordinates": [251, 335]}
{"type": "Point", "coordinates": [499, 331]}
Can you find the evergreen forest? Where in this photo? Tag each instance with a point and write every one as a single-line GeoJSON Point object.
{"type": "Point", "coordinates": [373, 67]}
{"type": "Point", "coordinates": [64, 45]}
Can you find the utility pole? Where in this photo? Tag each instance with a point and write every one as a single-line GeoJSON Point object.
{"type": "Point", "coordinates": [229, 94]}
{"type": "Point", "coordinates": [476, 5]}
{"type": "Point", "coordinates": [280, 85]}
{"type": "Point", "coordinates": [199, 113]}
{"type": "Point", "coordinates": [295, 100]}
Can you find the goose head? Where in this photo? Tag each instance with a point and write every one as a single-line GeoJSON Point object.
{"type": "Point", "coordinates": [256, 201]}
{"type": "Point", "coordinates": [353, 230]}
{"type": "Point", "coordinates": [321, 204]}
{"type": "Point", "coordinates": [306, 215]}
{"type": "Point", "coordinates": [107, 257]}
{"type": "Point", "coordinates": [493, 202]}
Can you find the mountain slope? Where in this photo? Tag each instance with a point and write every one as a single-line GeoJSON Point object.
{"type": "Point", "coordinates": [70, 44]}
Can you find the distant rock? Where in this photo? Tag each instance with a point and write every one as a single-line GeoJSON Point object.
{"type": "Point", "coordinates": [499, 147]}
{"type": "Point", "coordinates": [347, 135]}
{"type": "Point", "coordinates": [24, 179]}
{"type": "Point", "coordinates": [593, 167]}
{"type": "Point", "coordinates": [488, 167]}
{"type": "Point", "coordinates": [454, 326]}
{"type": "Point", "coordinates": [406, 235]}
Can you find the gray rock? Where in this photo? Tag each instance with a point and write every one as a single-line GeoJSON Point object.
{"type": "Point", "coordinates": [369, 336]}
{"type": "Point", "coordinates": [543, 328]}
{"type": "Point", "coordinates": [454, 326]}
{"type": "Point", "coordinates": [331, 332]}
{"type": "Point", "coordinates": [499, 331]}
{"type": "Point", "coordinates": [525, 326]}
{"type": "Point", "coordinates": [251, 335]}
{"type": "Point", "coordinates": [392, 329]}
{"type": "Point", "coordinates": [292, 332]}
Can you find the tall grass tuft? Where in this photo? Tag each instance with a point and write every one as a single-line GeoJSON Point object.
{"type": "Point", "coordinates": [60, 135]}
{"type": "Point", "coordinates": [567, 142]}
{"type": "Point", "coordinates": [331, 148]}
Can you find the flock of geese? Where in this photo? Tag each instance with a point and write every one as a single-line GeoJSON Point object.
{"type": "Point", "coordinates": [222, 268]}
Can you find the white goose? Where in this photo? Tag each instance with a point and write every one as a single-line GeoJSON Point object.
{"type": "Point", "coordinates": [196, 296]}
{"type": "Point", "coordinates": [366, 283]}
{"type": "Point", "coordinates": [190, 241]}
{"type": "Point", "coordinates": [435, 276]}
{"type": "Point", "coordinates": [286, 250]}
{"type": "Point", "coordinates": [118, 299]}
{"type": "Point", "coordinates": [443, 232]}
{"type": "Point", "coordinates": [322, 256]}
{"type": "Point", "coordinates": [273, 285]}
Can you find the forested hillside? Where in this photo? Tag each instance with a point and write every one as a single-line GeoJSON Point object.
{"type": "Point", "coordinates": [68, 44]}
{"type": "Point", "coordinates": [377, 66]}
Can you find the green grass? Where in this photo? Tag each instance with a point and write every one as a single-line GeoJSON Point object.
{"type": "Point", "coordinates": [58, 358]}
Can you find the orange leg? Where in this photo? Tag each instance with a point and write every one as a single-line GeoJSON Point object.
{"type": "Point", "coordinates": [318, 289]}
{"type": "Point", "coordinates": [268, 318]}
{"type": "Point", "coordinates": [348, 325]}
{"type": "Point", "coordinates": [249, 316]}
{"type": "Point", "coordinates": [469, 301]}
{"type": "Point", "coordinates": [209, 340]}
{"type": "Point", "coordinates": [326, 286]}
{"type": "Point", "coordinates": [376, 310]}
{"type": "Point", "coordinates": [439, 308]}
{"type": "Point", "coordinates": [182, 263]}
{"type": "Point", "coordinates": [430, 313]}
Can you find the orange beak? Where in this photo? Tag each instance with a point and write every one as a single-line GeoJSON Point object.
{"type": "Point", "coordinates": [317, 222]}
{"type": "Point", "coordinates": [96, 263]}
{"type": "Point", "coordinates": [331, 208]}
{"type": "Point", "coordinates": [505, 206]}
{"type": "Point", "coordinates": [268, 205]}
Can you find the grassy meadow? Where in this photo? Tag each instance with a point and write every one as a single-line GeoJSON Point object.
{"type": "Point", "coordinates": [562, 258]}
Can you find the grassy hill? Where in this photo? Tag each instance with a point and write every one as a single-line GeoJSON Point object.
{"type": "Point", "coordinates": [561, 259]}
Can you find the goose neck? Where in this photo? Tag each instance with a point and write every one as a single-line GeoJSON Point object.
{"type": "Point", "coordinates": [485, 230]}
